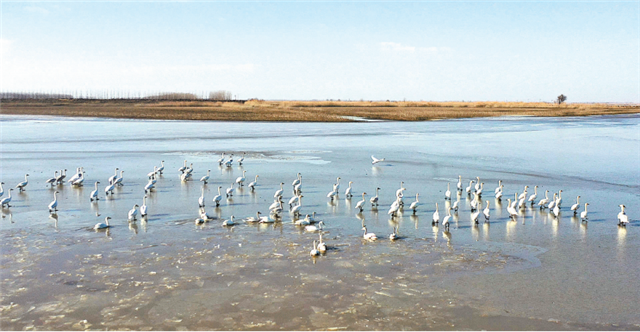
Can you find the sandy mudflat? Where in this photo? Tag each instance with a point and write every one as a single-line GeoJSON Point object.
{"type": "Point", "coordinates": [297, 111]}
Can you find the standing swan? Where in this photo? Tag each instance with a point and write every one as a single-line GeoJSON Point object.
{"type": "Point", "coordinates": [468, 189]}
{"type": "Point", "coordinates": [296, 209]}
{"type": "Point", "coordinates": [50, 181]}
{"type": "Point", "coordinates": [252, 185]}
{"type": "Point", "coordinates": [512, 210]}
{"type": "Point", "coordinates": [183, 168]}
{"type": "Point", "coordinates": [374, 199]}
{"type": "Point", "coordinates": [436, 216]}
{"type": "Point", "coordinates": [111, 179]}
{"type": "Point", "coordinates": [583, 214]}
{"type": "Point", "coordinates": [161, 168]}
{"type": "Point", "coordinates": [543, 202]}
{"type": "Point", "coordinates": [230, 191]}
{"type": "Point", "coordinates": [1, 189]}
{"type": "Point", "coordinates": [576, 206]}
{"type": "Point", "coordinates": [360, 204]}
{"type": "Point", "coordinates": [241, 160]}
{"type": "Point", "coordinates": [103, 225]}
{"type": "Point", "coordinates": [218, 197]}
{"type": "Point", "coordinates": [23, 184]}
{"type": "Point", "coordinates": [533, 197]}
{"type": "Point", "coordinates": [486, 212]}
{"type": "Point", "coordinates": [414, 205]}
{"type": "Point", "coordinates": [623, 219]}
{"type": "Point", "coordinates": [347, 193]}
{"type": "Point", "coordinates": [447, 219]}
{"type": "Point", "coordinates": [447, 194]}
{"type": "Point", "coordinates": [53, 206]}
{"type": "Point", "coordinates": [206, 177]}
{"type": "Point", "coordinates": [6, 200]}
{"type": "Point", "coordinates": [94, 194]}
{"type": "Point", "coordinates": [278, 193]}
{"type": "Point", "coordinates": [459, 185]}
{"type": "Point", "coordinates": [143, 208]}
{"type": "Point", "coordinates": [200, 199]}
{"type": "Point", "coordinates": [133, 213]}
{"type": "Point", "coordinates": [240, 180]}
{"type": "Point", "coordinates": [220, 161]}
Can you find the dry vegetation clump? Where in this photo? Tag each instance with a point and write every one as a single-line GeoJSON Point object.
{"type": "Point", "coordinates": [311, 111]}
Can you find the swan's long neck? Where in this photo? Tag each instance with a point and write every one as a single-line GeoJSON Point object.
{"type": "Point", "coordinates": [96, 185]}
{"type": "Point", "coordinates": [256, 180]}
{"type": "Point", "coordinates": [25, 177]}
{"type": "Point", "coordinates": [144, 200]}
{"type": "Point", "coordinates": [106, 221]}
{"type": "Point", "coordinates": [219, 193]}
{"type": "Point", "coordinates": [578, 200]}
{"type": "Point", "coordinates": [447, 186]}
{"type": "Point", "coordinates": [55, 196]}
{"type": "Point", "coordinates": [585, 207]}
{"type": "Point", "coordinates": [417, 197]}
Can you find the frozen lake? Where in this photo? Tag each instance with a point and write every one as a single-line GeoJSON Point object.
{"type": "Point", "coordinates": [538, 272]}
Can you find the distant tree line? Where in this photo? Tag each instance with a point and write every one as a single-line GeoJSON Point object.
{"type": "Point", "coordinates": [220, 95]}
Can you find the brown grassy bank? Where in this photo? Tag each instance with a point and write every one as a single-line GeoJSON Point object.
{"type": "Point", "coordinates": [313, 111]}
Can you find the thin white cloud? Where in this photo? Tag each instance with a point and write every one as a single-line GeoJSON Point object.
{"type": "Point", "coordinates": [396, 47]}
{"type": "Point", "coordinates": [434, 50]}
{"type": "Point", "coordinates": [37, 10]}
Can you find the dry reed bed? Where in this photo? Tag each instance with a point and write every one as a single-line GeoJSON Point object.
{"type": "Point", "coordinates": [312, 111]}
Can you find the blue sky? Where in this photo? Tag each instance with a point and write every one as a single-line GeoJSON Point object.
{"type": "Point", "coordinates": [513, 51]}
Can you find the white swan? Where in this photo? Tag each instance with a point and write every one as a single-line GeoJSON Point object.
{"type": "Point", "coordinates": [447, 219]}
{"type": "Point", "coordinates": [1, 189]}
{"type": "Point", "coordinates": [524, 193]}
{"type": "Point", "coordinates": [399, 192]}
{"type": "Point", "coordinates": [447, 194]}
{"type": "Point", "coordinates": [395, 207]}
{"type": "Point", "coordinates": [161, 168]}
{"type": "Point", "coordinates": [297, 181]}
{"type": "Point", "coordinates": [477, 186]}
{"type": "Point", "coordinates": [360, 204]}
{"type": "Point", "coordinates": [63, 174]}
{"type": "Point", "coordinates": [332, 194]}
{"type": "Point", "coordinates": [20, 186]}
{"type": "Point", "coordinates": [468, 189]}
{"type": "Point", "coordinates": [347, 193]}
{"type": "Point", "coordinates": [474, 203]}
{"type": "Point", "coordinates": [556, 211]}
{"type": "Point", "coordinates": [499, 193]}
{"type": "Point", "coordinates": [436, 216]}
{"type": "Point", "coordinates": [184, 177]}
{"type": "Point", "coordinates": [118, 180]}
{"type": "Point", "coordinates": [111, 179]}
{"type": "Point", "coordinates": [6, 200]}
{"type": "Point", "coordinates": [291, 201]}
{"type": "Point", "coordinates": [533, 197]}
{"type": "Point", "coordinates": [394, 236]}
{"type": "Point", "coordinates": [278, 193]}
{"type": "Point", "coordinates": [375, 160]}
{"type": "Point", "coordinates": [102, 225]}
{"type": "Point", "coordinates": [241, 160]}
{"type": "Point", "coordinates": [189, 169]}
{"type": "Point", "coordinates": [78, 182]}
{"type": "Point", "coordinates": [218, 197]}
{"type": "Point", "coordinates": [276, 211]}
{"type": "Point", "coordinates": [474, 216]}
{"type": "Point", "coordinates": [267, 220]}
{"type": "Point", "coordinates": [77, 175]}
{"type": "Point", "coordinates": [576, 206]}
{"type": "Point", "coordinates": [240, 180]}
{"type": "Point", "coordinates": [253, 219]}
{"type": "Point", "coordinates": [220, 161]}
{"type": "Point", "coordinates": [543, 202]}
{"type": "Point", "coordinates": [623, 219]}
{"type": "Point", "coordinates": [276, 203]}
{"type": "Point", "coordinates": [314, 251]}
{"type": "Point", "coordinates": [201, 198]}
{"type": "Point", "coordinates": [133, 213]}
{"type": "Point", "coordinates": [143, 208]}
{"type": "Point", "coordinates": [583, 214]}
{"type": "Point", "coordinates": [206, 177]}
{"type": "Point", "coordinates": [183, 168]}
{"type": "Point", "coordinates": [229, 162]}
{"type": "Point", "coordinates": [459, 185]}
{"type": "Point", "coordinates": [53, 206]}
{"type": "Point", "coordinates": [486, 212]}
{"type": "Point", "coordinates": [512, 211]}
{"type": "Point", "coordinates": [553, 202]}
{"type": "Point", "coordinates": [314, 228]}
{"type": "Point", "coordinates": [230, 190]}
{"type": "Point", "coordinates": [94, 194]}
{"type": "Point", "coordinates": [109, 189]}
{"type": "Point", "coordinates": [337, 184]}
{"type": "Point", "coordinates": [229, 222]}
{"type": "Point", "coordinates": [499, 187]}
{"type": "Point", "coordinates": [149, 187]}
{"type": "Point", "coordinates": [559, 200]}
{"type": "Point", "coordinates": [50, 181]}
{"type": "Point", "coordinates": [252, 185]}
{"type": "Point", "coordinates": [374, 200]}
{"type": "Point", "coordinates": [296, 209]}
{"type": "Point", "coordinates": [322, 247]}
{"type": "Point", "coordinates": [414, 206]}
{"type": "Point", "coordinates": [155, 170]}
{"type": "Point", "coordinates": [367, 235]}
{"type": "Point", "coordinates": [456, 204]}
{"type": "Point", "coordinates": [479, 190]}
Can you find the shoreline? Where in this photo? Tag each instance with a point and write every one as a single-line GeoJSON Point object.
{"type": "Point", "coordinates": [293, 111]}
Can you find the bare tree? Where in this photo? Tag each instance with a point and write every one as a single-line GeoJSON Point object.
{"type": "Point", "coordinates": [561, 99]}
{"type": "Point", "coordinates": [220, 95]}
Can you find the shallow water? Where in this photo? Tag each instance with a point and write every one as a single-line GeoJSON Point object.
{"type": "Point", "coordinates": [165, 272]}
